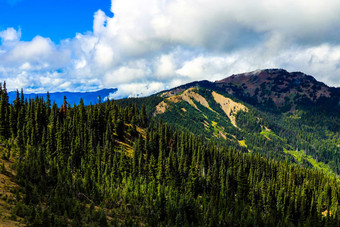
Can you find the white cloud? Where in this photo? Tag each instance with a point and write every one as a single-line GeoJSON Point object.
{"type": "Point", "coordinates": [137, 90]}
{"type": "Point", "coordinates": [38, 48]}
{"type": "Point", "coordinates": [10, 35]}
{"type": "Point", "coordinates": [103, 56]}
{"type": "Point", "coordinates": [132, 71]}
{"type": "Point", "coordinates": [165, 66]}
{"type": "Point", "coordinates": [151, 45]}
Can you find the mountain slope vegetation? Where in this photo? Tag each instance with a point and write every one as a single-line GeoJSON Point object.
{"type": "Point", "coordinates": [108, 165]}
{"type": "Point", "coordinates": [267, 112]}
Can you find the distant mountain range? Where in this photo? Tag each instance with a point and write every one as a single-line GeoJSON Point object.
{"type": "Point", "coordinates": [71, 97]}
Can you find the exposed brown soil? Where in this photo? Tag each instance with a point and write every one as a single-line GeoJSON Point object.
{"type": "Point", "coordinates": [198, 98]}
{"type": "Point", "coordinates": [161, 108]}
{"type": "Point", "coordinates": [188, 96]}
{"type": "Point", "coordinates": [230, 107]}
{"type": "Point", "coordinates": [206, 124]}
{"type": "Point", "coordinates": [222, 134]}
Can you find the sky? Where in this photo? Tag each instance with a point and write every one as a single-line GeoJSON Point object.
{"type": "Point", "coordinates": [145, 46]}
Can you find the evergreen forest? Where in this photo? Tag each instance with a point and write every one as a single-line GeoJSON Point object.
{"type": "Point", "coordinates": [113, 165]}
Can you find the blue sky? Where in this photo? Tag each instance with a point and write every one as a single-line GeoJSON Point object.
{"type": "Point", "coordinates": [57, 19]}
{"type": "Point", "coordinates": [144, 46]}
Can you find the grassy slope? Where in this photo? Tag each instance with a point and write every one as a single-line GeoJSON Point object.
{"type": "Point", "coordinates": [300, 156]}
{"type": "Point", "coordinates": [8, 195]}
{"type": "Point", "coordinates": [270, 134]}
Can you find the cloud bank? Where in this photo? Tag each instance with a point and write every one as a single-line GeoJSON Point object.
{"type": "Point", "coordinates": [151, 45]}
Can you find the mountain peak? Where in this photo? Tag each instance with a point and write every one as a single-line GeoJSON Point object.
{"type": "Point", "coordinates": [263, 74]}
{"type": "Point", "coordinates": [277, 85]}
{"type": "Point", "coordinates": [270, 88]}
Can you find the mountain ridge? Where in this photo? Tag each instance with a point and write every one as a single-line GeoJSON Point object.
{"type": "Point", "coordinates": [277, 84]}
{"type": "Point", "coordinates": [276, 89]}
{"type": "Point", "coordinates": [71, 97]}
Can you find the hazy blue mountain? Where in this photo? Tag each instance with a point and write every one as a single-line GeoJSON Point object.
{"type": "Point", "coordinates": [72, 97]}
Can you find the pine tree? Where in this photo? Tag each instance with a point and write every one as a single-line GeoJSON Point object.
{"type": "Point", "coordinates": [4, 113]}
{"type": "Point", "coordinates": [242, 185]}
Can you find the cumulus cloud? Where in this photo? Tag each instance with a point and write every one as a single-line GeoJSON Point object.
{"type": "Point", "coordinates": [150, 45]}
{"type": "Point", "coordinates": [165, 66]}
{"type": "Point", "coordinates": [10, 35]}
{"type": "Point", "coordinates": [137, 89]}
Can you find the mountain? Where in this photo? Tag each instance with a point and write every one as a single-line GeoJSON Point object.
{"type": "Point", "coordinates": [277, 86]}
{"type": "Point", "coordinates": [279, 114]}
{"type": "Point", "coordinates": [71, 97]}
{"type": "Point", "coordinates": [274, 88]}
{"type": "Point", "coordinates": [109, 164]}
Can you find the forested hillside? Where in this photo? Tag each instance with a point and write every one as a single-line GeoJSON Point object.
{"type": "Point", "coordinates": [107, 165]}
{"type": "Point", "coordinates": [272, 112]}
